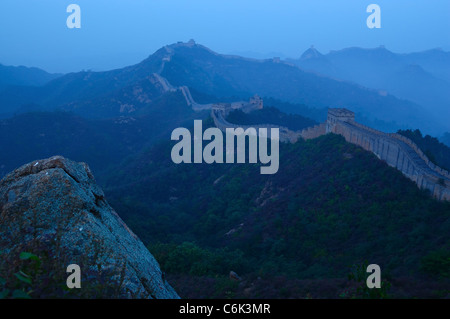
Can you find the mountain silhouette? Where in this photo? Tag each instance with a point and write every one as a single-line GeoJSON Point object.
{"type": "Point", "coordinates": [419, 77]}
{"type": "Point", "coordinates": [193, 65]}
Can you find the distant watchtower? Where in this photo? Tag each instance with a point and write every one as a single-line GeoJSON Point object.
{"type": "Point", "coordinates": [257, 102]}
{"type": "Point", "coordinates": [338, 115]}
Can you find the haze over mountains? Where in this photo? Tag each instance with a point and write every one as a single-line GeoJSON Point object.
{"type": "Point", "coordinates": [134, 108]}
{"type": "Point", "coordinates": [134, 88]}
{"type": "Point", "coordinates": [21, 75]}
{"type": "Point", "coordinates": [422, 77]}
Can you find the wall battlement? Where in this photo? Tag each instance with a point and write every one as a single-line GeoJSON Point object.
{"type": "Point", "coordinates": [255, 103]}
{"type": "Point", "coordinates": [396, 150]}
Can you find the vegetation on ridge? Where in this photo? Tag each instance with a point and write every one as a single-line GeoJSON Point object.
{"type": "Point", "coordinates": [331, 206]}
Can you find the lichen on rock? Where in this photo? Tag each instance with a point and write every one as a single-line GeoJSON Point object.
{"type": "Point", "coordinates": [54, 207]}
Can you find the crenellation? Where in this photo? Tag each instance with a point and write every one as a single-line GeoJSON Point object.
{"type": "Point", "coordinates": [419, 152]}
{"type": "Point", "coordinates": [396, 150]}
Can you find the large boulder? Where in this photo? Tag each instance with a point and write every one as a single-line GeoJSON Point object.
{"type": "Point", "coordinates": [55, 205]}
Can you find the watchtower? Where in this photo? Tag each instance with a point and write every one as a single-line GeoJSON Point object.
{"type": "Point", "coordinates": [336, 115]}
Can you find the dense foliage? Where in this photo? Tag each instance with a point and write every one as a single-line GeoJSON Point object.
{"type": "Point", "coordinates": [331, 206]}
{"type": "Point", "coordinates": [436, 151]}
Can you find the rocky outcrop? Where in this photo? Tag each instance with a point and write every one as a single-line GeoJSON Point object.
{"type": "Point", "coordinates": [58, 199]}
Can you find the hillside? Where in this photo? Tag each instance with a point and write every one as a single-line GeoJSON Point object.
{"type": "Point", "coordinates": [21, 75]}
{"type": "Point", "coordinates": [330, 206]}
{"type": "Point", "coordinates": [436, 151]}
{"type": "Point", "coordinates": [84, 87]}
{"type": "Point", "coordinates": [211, 73]}
{"type": "Point", "coordinates": [435, 61]}
{"type": "Point", "coordinates": [103, 143]}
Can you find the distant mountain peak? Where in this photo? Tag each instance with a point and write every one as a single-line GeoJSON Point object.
{"type": "Point", "coordinates": [358, 50]}
{"type": "Point", "coordinates": [191, 43]}
{"type": "Point", "coordinates": [311, 53]}
{"type": "Point", "coordinates": [22, 75]}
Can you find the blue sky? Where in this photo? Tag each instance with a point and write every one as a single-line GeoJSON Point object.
{"type": "Point", "coordinates": [116, 33]}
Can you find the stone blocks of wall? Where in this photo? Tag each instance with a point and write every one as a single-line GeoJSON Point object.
{"type": "Point", "coordinates": [398, 152]}
{"type": "Point", "coordinates": [313, 132]}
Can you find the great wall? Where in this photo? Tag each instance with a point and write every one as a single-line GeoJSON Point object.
{"type": "Point", "coordinates": [396, 150]}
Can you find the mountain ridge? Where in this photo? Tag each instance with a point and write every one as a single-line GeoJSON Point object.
{"type": "Point", "coordinates": [193, 65]}
{"type": "Point", "coordinates": [420, 77]}
{"type": "Point", "coordinates": [22, 75]}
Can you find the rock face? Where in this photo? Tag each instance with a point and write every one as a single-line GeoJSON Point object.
{"type": "Point", "coordinates": [58, 199]}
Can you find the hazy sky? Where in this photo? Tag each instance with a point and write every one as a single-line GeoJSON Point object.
{"type": "Point", "coordinates": [116, 33]}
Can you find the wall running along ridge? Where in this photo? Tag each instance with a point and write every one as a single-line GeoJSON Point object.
{"type": "Point", "coordinates": [396, 150]}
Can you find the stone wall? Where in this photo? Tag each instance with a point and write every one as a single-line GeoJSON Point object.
{"type": "Point", "coordinates": [419, 152]}
{"type": "Point", "coordinates": [314, 131]}
{"type": "Point", "coordinates": [396, 150]}
{"type": "Point", "coordinates": [286, 135]}
{"type": "Point", "coordinates": [399, 152]}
